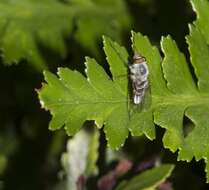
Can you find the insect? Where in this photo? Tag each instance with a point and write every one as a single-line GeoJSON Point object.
{"type": "Point", "coordinates": [139, 76]}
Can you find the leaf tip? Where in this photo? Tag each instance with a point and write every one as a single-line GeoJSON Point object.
{"type": "Point", "coordinates": [104, 38]}
{"type": "Point", "coordinates": [133, 33]}
{"type": "Point", "coordinates": [106, 41]}
{"type": "Point", "coordinates": [46, 74]}
{"type": "Point", "coordinates": [59, 70]}
{"type": "Point", "coordinates": [164, 39]}
{"type": "Point", "coordinates": [87, 59]}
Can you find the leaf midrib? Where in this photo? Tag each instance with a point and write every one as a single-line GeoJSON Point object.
{"type": "Point", "coordinates": [85, 103]}
{"type": "Point", "coordinates": [157, 101]}
{"type": "Point", "coordinates": [186, 100]}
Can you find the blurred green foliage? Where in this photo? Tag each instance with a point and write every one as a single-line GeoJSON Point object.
{"type": "Point", "coordinates": [45, 24]}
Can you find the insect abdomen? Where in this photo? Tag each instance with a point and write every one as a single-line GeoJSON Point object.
{"type": "Point", "coordinates": [139, 91]}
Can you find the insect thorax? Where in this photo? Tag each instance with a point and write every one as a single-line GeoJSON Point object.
{"type": "Point", "coordinates": [139, 71]}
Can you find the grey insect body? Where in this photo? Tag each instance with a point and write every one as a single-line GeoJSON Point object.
{"type": "Point", "coordinates": [139, 76]}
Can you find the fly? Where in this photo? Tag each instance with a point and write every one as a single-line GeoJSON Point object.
{"type": "Point", "coordinates": [139, 76]}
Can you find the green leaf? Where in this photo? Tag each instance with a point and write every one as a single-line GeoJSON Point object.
{"type": "Point", "coordinates": [74, 99]}
{"type": "Point", "coordinates": [201, 8]}
{"type": "Point", "coordinates": [181, 97]}
{"type": "Point", "coordinates": [199, 56]}
{"type": "Point", "coordinates": [149, 179]}
{"type": "Point", "coordinates": [172, 95]}
{"type": "Point", "coordinates": [47, 23]}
